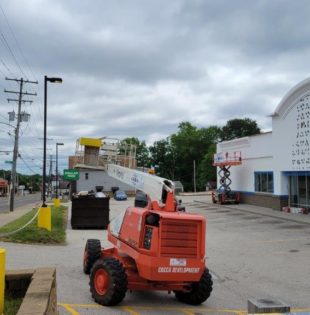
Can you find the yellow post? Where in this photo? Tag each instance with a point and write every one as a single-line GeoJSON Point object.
{"type": "Point", "coordinates": [2, 278]}
{"type": "Point", "coordinates": [45, 218]}
{"type": "Point", "coordinates": [56, 202]}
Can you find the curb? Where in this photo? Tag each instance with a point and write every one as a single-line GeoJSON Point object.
{"type": "Point", "coordinates": [37, 287]}
{"type": "Point", "coordinates": [271, 215]}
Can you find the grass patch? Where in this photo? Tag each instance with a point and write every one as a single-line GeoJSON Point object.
{"type": "Point", "coordinates": [34, 235]}
{"type": "Point", "coordinates": [11, 305]}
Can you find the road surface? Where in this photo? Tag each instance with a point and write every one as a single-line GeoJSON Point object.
{"type": "Point", "coordinates": [19, 201]}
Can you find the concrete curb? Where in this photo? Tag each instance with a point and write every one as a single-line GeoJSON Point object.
{"type": "Point", "coordinates": [297, 218]}
{"type": "Point", "coordinates": [38, 289]}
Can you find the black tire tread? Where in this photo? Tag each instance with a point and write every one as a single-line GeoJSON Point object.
{"type": "Point", "coordinates": [200, 292]}
{"type": "Point", "coordinates": [93, 248]}
{"type": "Point", "coordinates": [118, 279]}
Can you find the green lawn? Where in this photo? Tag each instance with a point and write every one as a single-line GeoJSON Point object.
{"type": "Point", "coordinates": [12, 305]}
{"type": "Point", "coordinates": [33, 234]}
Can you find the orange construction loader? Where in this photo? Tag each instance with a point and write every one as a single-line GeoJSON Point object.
{"type": "Point", "coordinates": [155, 247]}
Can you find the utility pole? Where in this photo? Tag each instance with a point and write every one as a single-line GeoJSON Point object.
{"type": "Point", "coordinates": [50, 184]}
{"type": "Point", "coordinates": [194, 175]}
{"type": "Point", "coordinates": [19, 119]}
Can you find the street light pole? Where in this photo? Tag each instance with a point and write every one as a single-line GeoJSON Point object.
{"type": "Point", "coordinates": [52, 80]}
{"type": "Point", "coordinates": [57, 183]}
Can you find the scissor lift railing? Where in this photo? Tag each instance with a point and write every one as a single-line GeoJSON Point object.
{"type": "Point", "coordinates": [224, 161]}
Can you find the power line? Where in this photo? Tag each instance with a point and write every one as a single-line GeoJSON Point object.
{"type": "Point", "coordinates": [3, 39]}
{"type": "Point", "coordinates": [16, 41]}
{"type": "Point", "coordinates": [28, 165]}
{"type": "Point", "coordinates": [6, 67]}
{"type": "Point", "coordinates": [29, 68]}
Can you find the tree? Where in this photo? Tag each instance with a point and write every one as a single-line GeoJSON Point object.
{"type": "Point", "coordinates": [162, 158]}
{"type": "Point", "coordinates": [238, 128]}
{"type": "Point", "coordinates": [206, 171]}
{"type": "Point", "coordinates": [192, 144]}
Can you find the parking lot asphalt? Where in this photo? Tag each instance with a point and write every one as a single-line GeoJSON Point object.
{"type": "Point", "coordinates": [251, 254]}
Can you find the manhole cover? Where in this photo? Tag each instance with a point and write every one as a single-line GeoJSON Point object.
{"type": "Point", "coordinates": [294, 251]}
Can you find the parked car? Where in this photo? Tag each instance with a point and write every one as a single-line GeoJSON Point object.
{"type": "Point", "coordinates": [120, 195]}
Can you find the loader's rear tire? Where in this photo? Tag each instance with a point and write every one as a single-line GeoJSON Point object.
{"type": "Point", "coordinates": [108, 281]}
{"type": "Point", "coordinates": [200, 291]}
{"type": "Point", "coordinates": [92, 253]}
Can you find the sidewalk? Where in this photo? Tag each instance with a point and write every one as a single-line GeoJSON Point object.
{"type": "Point", "coordinates": [297, 218]}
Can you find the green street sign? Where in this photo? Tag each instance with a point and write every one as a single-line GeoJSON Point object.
{"type": "Point", "coordinates": [8, 162]}
{"type": "Point", "coordinates": [71, 174]}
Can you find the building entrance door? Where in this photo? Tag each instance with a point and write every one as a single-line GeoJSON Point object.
{"type": "Point", "coordinates": [299, 191]}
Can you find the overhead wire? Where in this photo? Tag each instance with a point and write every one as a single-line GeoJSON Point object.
{"type": "Point", "coordinates": [16, 41]}
{"type": "Point", "coordinates": [6, 67]}
{"type": "Point", "coordinates": [3, 39]}
{"type": "Point", "coordinates": [35, 125]}
{"type": "Point", "coordinates": [27, 165]}
{"type": "Point", "coordinates": [33, 121]}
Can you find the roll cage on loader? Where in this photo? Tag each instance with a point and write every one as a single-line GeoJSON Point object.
{"type": "Point", "coordinates": [154, 248]}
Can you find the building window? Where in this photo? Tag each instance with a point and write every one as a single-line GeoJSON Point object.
{"type": "Point", "coordinates": [86, 176]}
{"type": "Point", "coordinates": [264, 182]}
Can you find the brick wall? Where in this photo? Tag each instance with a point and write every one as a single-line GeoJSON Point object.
{"type": "Point", "coordinates": [264, 200]}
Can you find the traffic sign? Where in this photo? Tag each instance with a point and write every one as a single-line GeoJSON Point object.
{"type": "Point", "coordinates": [71, 174]}
{"type": "Point", "coordinates": [8, 162]}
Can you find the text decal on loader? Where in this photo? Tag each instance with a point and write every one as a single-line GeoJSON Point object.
{"type": "Point", "coordinates": [178, 270]}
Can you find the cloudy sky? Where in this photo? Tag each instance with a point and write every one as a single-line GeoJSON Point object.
{"type": "Point", "coordinates": [139, 68]}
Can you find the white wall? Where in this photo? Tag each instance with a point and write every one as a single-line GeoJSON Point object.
{"type": "Point", "coordinates": [98, 178]}
{"type": "Point", "coordinates": [287, 148]}
{"type": "Point", "coordinates": [256, 153]}
{"type": "Point", "coordinates": [291, 129]}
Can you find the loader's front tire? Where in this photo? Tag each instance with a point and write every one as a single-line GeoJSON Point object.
{"type": "Point", "coordinates": [200, 291]}
{"type": "Point", "coordinates": [92, 253]}
{"type": "Point", "coordinates": [108, 281]}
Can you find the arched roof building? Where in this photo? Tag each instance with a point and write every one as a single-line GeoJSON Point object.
{"type": "Point", "coordinates": [275, 169]}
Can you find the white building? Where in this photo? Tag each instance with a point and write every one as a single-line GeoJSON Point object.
{"type": "Point", "coordinates": [275, 169]}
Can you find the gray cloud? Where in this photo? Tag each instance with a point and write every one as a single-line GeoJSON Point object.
{"type": "Point", "coordinates": [138, 68]}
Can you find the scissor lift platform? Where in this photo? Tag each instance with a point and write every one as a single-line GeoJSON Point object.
{"type": "Point", "coordinates": [224, 161]}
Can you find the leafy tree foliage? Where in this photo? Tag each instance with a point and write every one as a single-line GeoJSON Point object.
{"type": "Point", "coordinates": [31, 182]}
{"type": "Point", "coordinates": [206, 171]}
{"type": "Point", "coordinates": [163, 158]}
{"type": "Point", "coordinates": [192, 144]}
{"type": "Point", "coordinates": [238, 128]}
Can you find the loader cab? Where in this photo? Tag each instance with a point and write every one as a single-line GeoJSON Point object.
{"type": "Point", "coordinates": [141, 199]}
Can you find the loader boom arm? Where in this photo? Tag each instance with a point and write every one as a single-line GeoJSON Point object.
{"type": "Point", "coordinates": [152, 185]}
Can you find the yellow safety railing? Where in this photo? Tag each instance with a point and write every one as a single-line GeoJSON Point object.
{"type": "Point", "coordinates": [56, 202]}
{"type": "Point", "coordinates": [45, 218]}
